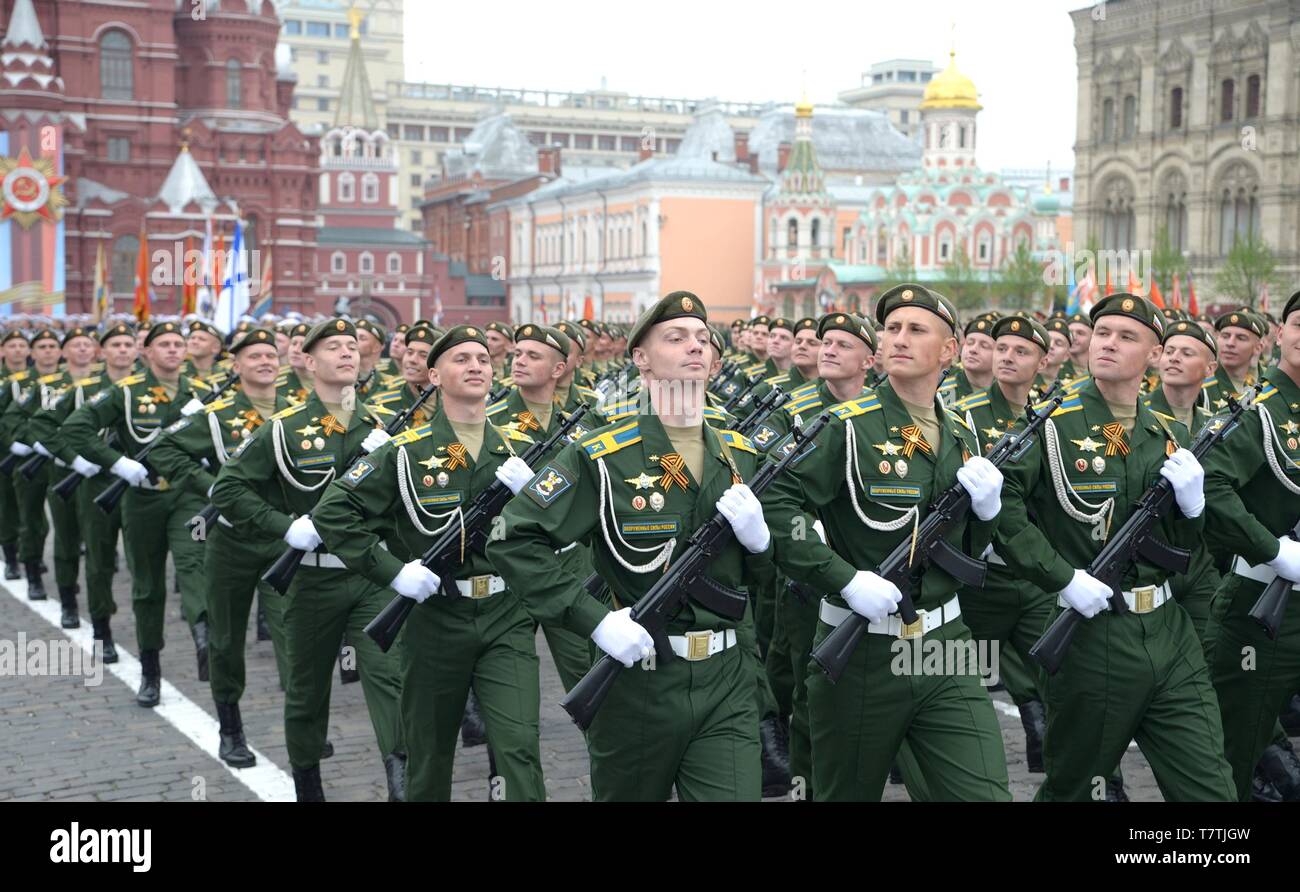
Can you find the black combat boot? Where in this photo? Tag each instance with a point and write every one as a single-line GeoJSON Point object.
{"type": "Point", "coordinates": [395, 770]}
{"type": "Point", "coordinates": [776, 757]}
{"type": "Point", "coordinates": [150, 679]}
{"type": "Point", "coordinates": [1034, 719]}
{"type": "Point", "coordinates": [895, 774]}
{"type": "Point", "coordinates": [1291, 717]}
{"type": "Point", "coordinates": [306, 783]}
{"type": "Point", "coordinates": [1262, 789]}
{"type": "Point", "coordinates": [104, 635]}
{"type": "Point", "coordinates": [472, 730]}
{"type": "Point", "coordinates": [263, 629]}
{"type": "Point", "coordinates": [1279, 765]}
{"type": "Point", "coordinates": [35, 586]}
{"type": "Point", "coordinates": [1115, 790]}
{"type": "Point", "coordinates": [68, 598]}
{"type": "Point", "coordinates": [327, 751]}
{"type": "Point", "coordinates": [233, 749]}
{"type": "Point", "coordinates": [11, 563]}
{"type": "Point", "coordinates": [200, 633]}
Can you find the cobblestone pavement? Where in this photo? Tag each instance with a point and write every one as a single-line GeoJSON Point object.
{"type": "Point", "coordinates": [66, 740]}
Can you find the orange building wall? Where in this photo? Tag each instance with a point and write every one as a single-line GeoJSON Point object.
{"type": "Point", "coordinates": [706, 246]}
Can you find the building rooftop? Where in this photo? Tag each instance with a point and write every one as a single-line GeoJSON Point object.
{"type": "Point", "coordinates": [362, 235]}
{"type": "Point", "coordinates": [845, 139]}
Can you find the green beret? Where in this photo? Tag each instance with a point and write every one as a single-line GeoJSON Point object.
{"type": "Point", "coordinates": [144, 326]}
{"type": "Point", "coordinates": [1080, 318]}
{"type": "Point", "coordinates": [437, 332]}
{"type": "Point", "coordinates": [1292, 304]}
{"type": "Point", "coordinates": [78, 332]}
{"type": "Point", "coordinates": [1058, 314]}
{"type": "Point", "coordinates": [590, 325]}
{"type": "Point", "coordinates": [715, 338]}
{"type": "Point", "coordinates": [1242, 319]}
{"type": "Point", "coordinates": [1132, 306]}
{"type": "Point", "coordinates": [253, 338]}
{"type": "Point", "coordinates": [422, 333]}
{"type": "Point", "coordinates": [299, 330]}
{"type": "Point", "coordinates": [206, 327]}
{"type": "Point", "coordinates": [45, 334]}
{"type": "Point", "coordinates": [854, 325]}
{"type": "Point", "coordinates": [545, 335]}
{"type": "Point", "coordinates": [805, 323]}
{"type": "Point", "coordinates": [672, 306]}
{"type": "Point", "coordinates": [500, 328]}
{"type": "Point", "coordinates": [162, 328]}
{"type": "Point", "coordinates": [114, 331]}
{"type": "Point", "coordinates": [402, 328]}
{"type": "Point", "coordinates": [781, 322]}
{"type": "Point", "coordinates": [1205, 317]}
{"type": "Point", "coordinates": [737, 323]}
{"type": "Point", "coordinates": [1061, 326]}
{"type": "Point", "coordinates": [371, 329]}
{"type": "Point", "coordinates": [764, 321]}
{"type": "Point", "coordinates": [455, 336]}
{"type": "Point", "coordinates": [574, 332]}
{"type": "Point", "coordinates": [13, 334]}
{"type": "Point", "coordinates": [910, 294]}
{"type": "Point", "coordinates": [979, 325]}
{"type": "Point", "coordinates": [1023, 327]}
{"type": "Point", "coordinates": [1190, 329]}
{"type": "Point", "coordinates": [328, 329]}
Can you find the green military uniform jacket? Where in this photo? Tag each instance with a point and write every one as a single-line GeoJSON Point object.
{"type": "Point", "coordinates": [989, 415]}
{"type": "Point", "coordinates": [1158, 403]}
{"type": "Point", "coordinates": [292, 387]}
{"type": "Point", "coordinates": [46, 426]}
{"type": "Point", "coordinates": [888, 481]}
{"type": "Point", "coordinates": [956, 386]}
{"type": "Point", "coordinates": [512, 412]}
{"type": "Point", "coordinates": [40, 392]}
{"type": "Point", "coordinates": [14, 387]}
{"type": "Point", "coordinates": [1039, 539]}
{"type": "Point", "coordinates": [398, 399]}
{"type": "Point", "coordinates": [805, 403]}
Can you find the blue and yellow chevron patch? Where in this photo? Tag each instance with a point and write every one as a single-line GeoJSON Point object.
{"type": "Point", "coordinates": [410, 436]}
{"type": "Point", "coordinates": [860, 406]}
{"type": "Point", "coordinates": [738, 441]}
{"type": "Point", "coordinates": [1267, 392]}
{"type": "Point", "coordinates": [497, 407]}
{"type": "Point", "coordinates": [959, 419]}
{"type": "Point", "coordinates": [714, 414]}
{"type": "Point", "coordinates": [611, 441]}
{"type": "Point", "coordinates": [285, 413]}
{"type": "Point", "coordinates": [1073, 404]}
{"type": "Point", "coordinates": [974, 401]}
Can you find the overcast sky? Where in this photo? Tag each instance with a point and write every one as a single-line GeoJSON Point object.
{"type": "Point", "coordinates": [1019, 53]}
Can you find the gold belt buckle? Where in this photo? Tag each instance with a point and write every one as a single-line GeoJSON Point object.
{"type": "Point", "coordinates": [697, 645]}
{"type": "Point", "coordinates": [480, 586]}
{"type": "Point", "coordinates": [915, 629]}
{"type": "Point", "coordinates": [1144, 599]}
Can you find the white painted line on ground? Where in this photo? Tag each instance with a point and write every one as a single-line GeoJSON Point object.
{"type": "Point", "coordinates": [265, 779]}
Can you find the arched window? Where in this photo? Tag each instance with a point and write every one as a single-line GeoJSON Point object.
{"type": "Point", "coordinates": [1226, 90]}
{"type": "Point", "coordinates": [126, 250]}
{"type": "Point", "coordinates": [1108, 119]}
{"type": "Point", "coordinates": [1130, 116]}
{"type": "Point", "coordinates": [116, 66]}
{"type": "Point", "coordinates": [961, 137]}
{"type": "Point", "coordinates": [370, 188]}
{"type": "Point", "coordinates": [1118, 225]}
{"type": "Point", "coordinates": [882, 247]}
{"type": "Point", "coordinates": [234, 86]}
{"type": "Point", "coordinates": [347, 187]}
{"type": "Point", "coordinates": [792, 234]}
{"type": "Point", "coordinates": [1252, 96]}
{"type": "Point", "coordinates": [338, 262]}
{"type": "Point", "coordinates": [394, 264]}
{"type": "Point", "coordinates": [772, 241]}
{"type": "Point", "coordinates": [945, 246]}
{"type": "Point", "coordinates": [1238, 207]}
{"type": "Point", "coordinates": [366, 262]}
{"type": "Point", "coordinates": [1176, 108]}
{"type": "Point", "coordinates": [816, 234]}
{"type": "Point", "coordinates": [1175, 192]}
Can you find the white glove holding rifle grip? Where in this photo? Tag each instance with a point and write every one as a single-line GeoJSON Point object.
{"type": "Point", "coordinates": [415, 581]}
{"type": "Point", "coordinates": [193, 407]}
{"type": "Point", "coordinates": [982, 479]}
{"type": "Point", "coordinates": [302, 534]}
{"type": "Point", "coordinates": [871, 595]}
{"type": "Point", "coordinates": [1086, 594]}
{"type": "Point", "coordinates": [85, 468]}
{"type": "Point", "coordinates": [1287, 562]}
{"type": "Point", "coordinates": [130, 470]}
{"type": "Point", "coordinates": [744, 512]}
{"type": "Point", "coordinates": [40, 448]}
{"type": "Point", "coordinates": [376, 438]}
{"type": "Point", "coordinates": [1187, 477]}
{"type": "Point", "coordinates": [514, 473]}
{"type": "Point", "coordinates": [623, 638]}
{"type": "Point", "coordinates": [22, 450]}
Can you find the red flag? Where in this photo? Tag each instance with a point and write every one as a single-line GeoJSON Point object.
{"type": "Point", "coordinates": [1110, 289]}
{"type": "Point", "coordinates": [1191, 298]}
{"type": "Point", "coordinates": [1134, 287]}
{"type": "Point", "coordinates": [190, 286]}
{"type": "Point", "coordinates": [218, 276]}
{"type": "Point", "coordinates": [142, 307]}
{"type": "Point", "coordinates": [1155, 296]}
{"type": "Point", "coordinates": [588, 310]}
{"type": "Point", "coordinates": [1176, 299]}
{"type": "Point", "coordinates": [1263, 298]}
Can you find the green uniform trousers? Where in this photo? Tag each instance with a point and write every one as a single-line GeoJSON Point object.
{"type": "Point", "coordinates": [774, 648]}
{"type": "Point", "coordinates": [31, 514]}
{"type": "Point", "coordinates": [154, 523]}
{"type": "Point", "coordinates": [321, 604]}
{"type": "Point", "coordinates": [1253, 677]}
{"type": "Point", "coordinates": [100, 532]}
{"type": "Point", "coordinates": [859, 723]}
{"type": "Point", "coordinates": [571, 652]}
{"type": "Point", "coordinates": [672, 722]}
{"type": "Point", "coordinates": [453, 644]}
{"type": "Point", "coordinates": [1011, 612]}
{"type": "Point", "coordinates": [8, 510]}
{"type": "Point", "coordinates": [65, 521]}
{"type": "Point", "coordinates": [1135, 677]}
{"type": "Point", "coordinates": [796, 623]}
{"type": "Point", "coordinates": [234, 571]}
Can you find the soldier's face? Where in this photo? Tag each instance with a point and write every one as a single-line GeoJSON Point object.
{"type": "Point", "coordinates": [120, 352]}
{"type": "Point", "coordinates": [397, 349]}
{"type": "Point", "coordinates": [805, 349]}
{"type": "Point", "coordinates": [45, 352]}
{"type": "Point", "coordinates": [1080, 338]}
{"type": "Point", "coordinates": [202, 345]}
{"type": "Point", "coordinates": [166, 353]}
{"type": "Point", "coordinates": [779, 344]}
{"type": "Point", "coordinates": [676, 350]}
{"type": "Point", "coordinates": [258, 365]}
{"type": "Point", "coordinates": [1122, 349]}
{"type": "Point", "coordinates": [80, 351]}
{"type": "Point", "coordinates": [536, 363]}
{"type": "Point", "coordinates": [758, 341]}
{"type": "Point", "coordinates": [1288, 338]}
{"type": "Point", "coordinates": [916, 344]}
{"type": "Point", "coordinates": [977, 353]}
{"type": "Point", "coordinates": [368, 345]}
{"type": "Point", "coordinates": [296, 359]}
{"type": "Point", "coordinates": [498, 344]}
{"type": "Point", "coordinates": [282, 346]}
{"type": "Point", "coordinates": [1016, 361]}
{"type": "Point", "coordinates": [334, 361]}
{"type": "Point", "coordinates": [16, 351]}
{"type": "Point", "coordinates": [1060, 348]}
{"type": "Point", "coordinates": [843, 357]}
{"type": "Point", "coordinates": [1185, 360]}
{"type": "Point", "coordinates": [464, 372]}
{"type": "Point", "coordinates": [415, 363]}
{"type": "Point", "coordinates": [1238, 348]}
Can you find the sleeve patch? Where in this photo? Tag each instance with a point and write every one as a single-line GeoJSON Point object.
{"type": "Point", "coordinates": [177, 426]}
{"type": "Point", "coordinates": [360, 471]}
{"type": "Point", "coordinates": [547, 486]}
{"type": "Point", "coordinates": [99, 397]}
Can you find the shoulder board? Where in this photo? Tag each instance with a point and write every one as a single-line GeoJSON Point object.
{"type": "Point", "coordinates": [803, 399]}
{"type": "Point", "coordinates": [860, 406]}
{"type": "Point", "coordinates": [497, 407]}
{"type": "Point", "coordinates": [385, 396]}
{"type": "Point", "coordinates": [1266, 393]}
{"type": "Point", "coordinates": [959, 419]}
{"type": "Point", "coordinates": [508, 381]}
{"type": "Point", "coordinates": [806, 387]}
{"type": "Point", "coordinates": [738, 441]}
{"type": "Point", "coordinates": [1075, 383]}
{"type": "Point", "coordinates": [714, 414]}
{"type": "Point", "coordinates": [509, 433]}
{"type": "Point", "coordinates": [218, 405]}
{"type": "Point", "coordinates": [199, 382]}
{"type": "Point", "coordinates": [86, 382]}
{"type": "Point", "coordinates": [137, 378]}
{"type": "Point", "coordinates": [974, 401]}
{"type": "Point", "coordinates": [611, 441]}
{"type": "Point", "coordinates": [756, 367]}
{"type": "Point", "coordinates": [378, 410]}
{"type": "Point", "coordinates": [588, 393]}
{"type": "Point", "coordinates": [1073, 404]}
{"type": "Point", "coordinates": [49, 379]}
{"type": "Point", "coordinates": [949, 383]}
{"type": "Point", "coordinates": [1208, 382]}
{"type": "Point", "coordinates": [285, 413]}
{"type": "Point", "coordinates": [391, 380]}
{"type": "Point", "coordinates": [410, 436]}
{"type": "Point", "coordinates": [20, 376]}
{"type": "Point", "coordinates": [775, 379]}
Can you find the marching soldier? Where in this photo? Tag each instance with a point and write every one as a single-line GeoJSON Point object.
{"type": "Point", "coordinates": [269, 489]}
{"type": "Point", "coordinates": [501, 344]}
{"type": "Point", "coordinates": [15, 350]}
{"type": "Point", "coordinates": [370, 342]}
{"type": "Point", "coordinates": [1139, 675]}
{"type": "Point", "coordinates": [294, 381]}
{"type": "Point", "coordinates": [1076, 366]}
{"type": "Point", "coordinates": [1058, 355]}
{"type": "Point", "coordinates": [154, 514]}
{"type": "Point", "coordinates": [191, 453]}
{"type": "Point", "coordinates": [1240, 346]}
{"type": "Point", "coordinates": [415, 376]}
{"type": "Point", "coordinates": [893, 450]}
{"type": "Point", "coordinates": [804, 345]}
{"type": "Point", "coordinates": [203, 349]}
{"type": "Point", "coordinates": [638, 488]}
{"type": "Point", "coordinates": [975, 371]}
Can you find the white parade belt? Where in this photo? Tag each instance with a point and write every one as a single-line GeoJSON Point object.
{"type": "Point", "coordinates": [694, 646]}
{"type": "Point", "coordinates": [477, 587]}
{"type": "Point", "coordinates": [1258, 572]}
{"type": "Point", "coordinates": [1143, 599]}
{"type": "Point", "coordinates": [926, 620]}
{"type": "Point", "coordinates": [324, 560]}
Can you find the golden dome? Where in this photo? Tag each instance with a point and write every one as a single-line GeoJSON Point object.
{"type": "Point", "coordinates": [950, 89]}
{"type": "Point", "coordinates": [804, 107]}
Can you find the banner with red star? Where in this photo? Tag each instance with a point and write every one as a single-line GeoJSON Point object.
{"type": "Point", "coordinates": [29, 190]}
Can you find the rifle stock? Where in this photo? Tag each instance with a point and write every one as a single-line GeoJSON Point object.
{"type": "Point", "coordinates": [1270, 609]}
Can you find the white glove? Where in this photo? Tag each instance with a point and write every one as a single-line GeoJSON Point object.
{"type": "Point", "coordinates": [20, 449]}
{"type": "Point", "coordinates": [623, 638]}
{"type": "Point", "coordinates": [1086, 594]}
{"type": "Point", "coordinates": [376, 438]}
{"type": "Point", "coordinates": [85, 468]}
{"type": "Point", "coordinates": [745, 514]}
{"type": "Point", "coordinates": [193, 407]}
{"type": "Point", "coordinates": [302, 534]}
{"type": "Point", "coordinates": [821, 530]}
{"type": "Point", "coordinates": [871, 596]}
{"type": "Point", "coordinates": [1187, 477]}
{"type": "Point", "coordinates": [40, 447]}
{"type": "Point", "coordinates": [130, 470]}
{"type": "Point", "coordinates": [981, 478]}
{"type": "Point", "coordinates": [1287, 562]}
{"type": "Point", "coordinates": [415, 581]}
{"type": "Point", "coordinates": [514, 473]}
